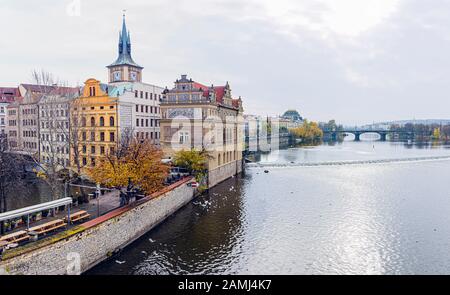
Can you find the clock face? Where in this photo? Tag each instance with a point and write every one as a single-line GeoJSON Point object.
{"type": "Point", "coordinates": [117, 76]}
{"type": "Point", "coordinates": [133, 76]}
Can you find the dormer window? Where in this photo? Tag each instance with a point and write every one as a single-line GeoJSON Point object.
{"type": "Point", "coordinates": [91, 91]}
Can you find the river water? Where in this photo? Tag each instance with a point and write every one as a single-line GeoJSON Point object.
{"type": "Point", "coordinates": [388, 218]}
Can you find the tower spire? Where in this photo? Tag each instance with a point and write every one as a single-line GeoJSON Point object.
{"type": "Point", "coordinates": [124, 68]}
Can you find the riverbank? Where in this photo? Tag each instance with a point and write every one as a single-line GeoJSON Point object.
{"type": "Point", "coordinates": [98, 239]}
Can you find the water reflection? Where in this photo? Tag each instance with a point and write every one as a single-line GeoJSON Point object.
{"type": "Point", "coordinates": [363, 219]}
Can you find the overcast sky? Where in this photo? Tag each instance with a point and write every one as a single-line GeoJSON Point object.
{"type": "Point", "coordinates": [351, 60]}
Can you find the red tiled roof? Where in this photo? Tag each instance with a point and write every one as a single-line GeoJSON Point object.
{"type": "Point", "coordinates": [65, 91]}
{"type": "Point", "coordinates": [219, 91]}
{"type": "Point", "coordinates": [8, 94]}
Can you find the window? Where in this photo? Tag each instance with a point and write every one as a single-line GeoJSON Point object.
{"type": "Point", "coordinates": [111, 121]}
{"type": "Point", "coordinates": [83, 136]}
{"type": "Point", "coordinates": [112, 150]}
{"type": "Point", "coordinates": [92, 149]}
{"type": "Point", "coordinates": [102, 150]}
{"type": "Point", "coordinates": [146, 95]}
{"type": "Point", "coordinates": [142, 94]}
{"type": "Point", "coordinates": [137, 122]}
{"type": "Point", "coordinates": [93, 122]}
{"type": "Point", "coordinates": [92, 136]}
{"type": "Point", "coordinates": [84, 149]}
{"type": "Point", "coordinates": [83, 122]}
{"type": "Point", "coordinates": [112, 137]}
{"type": "Point", "coordinates": [93, 162]}
{"type": "Point", "coordinates": [91, 91]}
{"type": "Point", "coordinates": [136, 93]}
{"type": "Point", "coordinates": [102, 121]}
{"type": "Point", "coordinates": [142, 109]}
{"type": "Point", "coordinates": [184, 137]}
{"type": "Point", "coordinates": [84, 161]}
{"type": "Point", "coordinates": [102, 136]}
{"type": "Point", "coordinates": [137, 108]}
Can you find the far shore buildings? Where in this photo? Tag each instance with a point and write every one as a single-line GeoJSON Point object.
{"type": "Point", "coordinates": [204, 118]}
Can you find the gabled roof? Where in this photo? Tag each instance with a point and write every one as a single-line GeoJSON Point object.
{"type": "Point", "coordinates": [38, 88]}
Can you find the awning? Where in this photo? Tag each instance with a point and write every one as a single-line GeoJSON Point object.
{"type": "Point", "coordinates": [34, 209]}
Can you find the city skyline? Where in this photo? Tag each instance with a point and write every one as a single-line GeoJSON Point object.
{"type": "Point", "coordinates": [381, 61]}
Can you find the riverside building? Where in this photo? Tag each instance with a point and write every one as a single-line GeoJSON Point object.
{"type": "Point", "coordinates": [199, 117]}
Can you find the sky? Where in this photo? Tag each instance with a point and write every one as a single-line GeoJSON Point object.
{"type": "Point", "coordinates": [354, 61]}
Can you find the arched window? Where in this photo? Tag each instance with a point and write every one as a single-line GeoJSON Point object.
{"type": "Point", "coordinates": [92, 121]}
{"type": "Point", "coordinates": [83, 122]}
{"type": "Point", "coordinates": [102, 121]}
{"type": "Point", "coordinates": [111, 121]}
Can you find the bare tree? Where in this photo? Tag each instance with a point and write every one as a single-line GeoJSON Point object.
{"type": "Point", "coordinates": [53, 129]}
{"type": "Point", "coordinates": [78, 135]}
{"type": "Point", "coordinates": [11, 176]}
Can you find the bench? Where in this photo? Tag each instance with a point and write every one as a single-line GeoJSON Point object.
{"type": "Point", "coordinates": [78, 216]}
{"type": "Point", "coordinates": [48, 227]}
{"type": "Point", "coordinates": [16, 237]}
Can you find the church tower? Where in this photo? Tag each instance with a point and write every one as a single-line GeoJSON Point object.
{"type": "Point", "coordinates": [124, 69]}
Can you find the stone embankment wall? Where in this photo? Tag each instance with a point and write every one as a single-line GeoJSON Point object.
{"type": "Point", "coordinates": [224, 172]}
{"type": "Point", "coordinates": [82, 247]}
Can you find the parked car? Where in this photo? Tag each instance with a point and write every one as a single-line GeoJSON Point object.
{"type": "Point", "coordinates": [179, 172]}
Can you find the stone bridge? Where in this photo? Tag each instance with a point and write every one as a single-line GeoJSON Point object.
{"type": "Point", "coordinates": [358, 132]}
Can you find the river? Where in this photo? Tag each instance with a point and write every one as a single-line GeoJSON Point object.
{"type": "Point", "coordinates": [386, 218]}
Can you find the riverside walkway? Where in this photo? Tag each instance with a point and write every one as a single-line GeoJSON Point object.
{"type": "Point", "coordinates": [94, 208]}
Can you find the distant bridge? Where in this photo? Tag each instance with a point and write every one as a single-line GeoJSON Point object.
{"type": "Point", "coordinates": [358, 132]}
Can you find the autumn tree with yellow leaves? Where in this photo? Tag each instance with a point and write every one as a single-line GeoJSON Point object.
{"type": "Point", "coordinates": [308, 132]}
{"type": "Point", "coordinates": [138, 161]}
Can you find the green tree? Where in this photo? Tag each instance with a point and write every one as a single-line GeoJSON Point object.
{"type": "Point", "coordinates": [194, 161]}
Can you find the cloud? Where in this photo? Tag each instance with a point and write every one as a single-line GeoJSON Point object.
{"type": "Point", "coordinates": [352, 60]}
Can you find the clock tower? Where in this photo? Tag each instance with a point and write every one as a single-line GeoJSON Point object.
{"type": "Point", "coordinates": [124, 69]}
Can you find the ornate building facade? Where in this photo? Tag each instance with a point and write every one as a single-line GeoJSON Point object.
{"type": "Point", "coordinates": [195, 116]}
{"type": "Point", "coordinates": [106, 112]}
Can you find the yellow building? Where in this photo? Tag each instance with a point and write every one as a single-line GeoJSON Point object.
{"type": "Point", "coordinates": [94, 125]}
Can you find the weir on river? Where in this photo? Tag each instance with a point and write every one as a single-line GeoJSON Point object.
{"type": "Point", "coordinates": [358, 162]}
